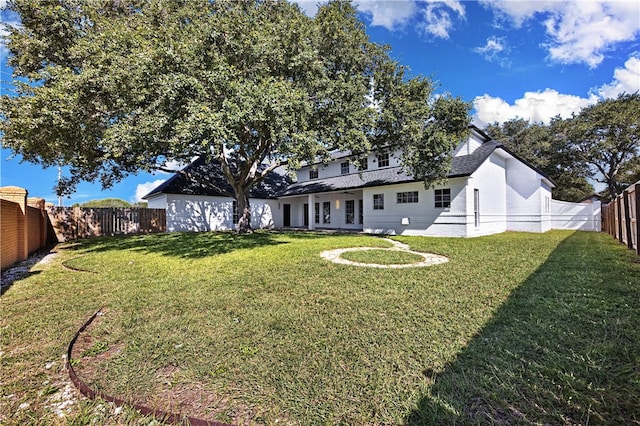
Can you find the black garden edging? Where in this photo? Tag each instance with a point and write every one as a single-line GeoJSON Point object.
{"type": "Point", "coordinates": [162, 416]}
{"type": "Point", "coordinates": [73, 268]}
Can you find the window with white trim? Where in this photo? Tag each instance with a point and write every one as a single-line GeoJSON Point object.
{"type": "Point", "coordinates": [350, 211]}
{"type": "Point", "coordinates": [317, 213]}
{"type": "Point", "coordinates": [326, 212]}
{"type": "Point", "coordinates": [443, 198]}
{"type": "Point", "coordinates": [313, 173]}
{"type": "Point", "coordinates": [383, 160]}
{"type": "Point", "coordinates": [234, 209]}
{"type": "Point", "coordinates": [378, 201]}
{"type": "Point", "coordinates": [344, 168]}
{"type": "Point", "coordinates": [363, 163]}
{"type": "Point", "coordinates": [407, 197]}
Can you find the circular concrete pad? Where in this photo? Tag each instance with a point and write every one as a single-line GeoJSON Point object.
{"type": "Point", "coordinates": [429, 259]}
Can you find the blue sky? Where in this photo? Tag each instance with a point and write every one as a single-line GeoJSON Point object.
{"type": "Point", "coordinates": [527, 59]}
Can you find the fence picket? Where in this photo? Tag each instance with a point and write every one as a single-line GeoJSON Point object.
{"type": "Point", "coordinates": [70, 223]}
{"type": "Point", "coordinates": [620, 217]}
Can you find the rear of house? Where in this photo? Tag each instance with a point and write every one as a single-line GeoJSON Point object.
{"type": "Point", "coordinates": [489, 190]}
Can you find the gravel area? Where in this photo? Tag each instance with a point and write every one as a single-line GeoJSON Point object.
{"type": "Point", "coordinates": [22, 269]}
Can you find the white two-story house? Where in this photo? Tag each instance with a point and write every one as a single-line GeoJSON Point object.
{"type": "Point", "coordinates": [489, 190]}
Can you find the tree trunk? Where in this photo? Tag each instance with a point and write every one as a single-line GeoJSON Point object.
{"type": "Point", "coordinates": [244, 211]}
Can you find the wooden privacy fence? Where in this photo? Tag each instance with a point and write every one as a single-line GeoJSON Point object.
{"type": "Point", "coordinates": [620, 217]}
{"type": "Point", "coordinates": [72, 223]}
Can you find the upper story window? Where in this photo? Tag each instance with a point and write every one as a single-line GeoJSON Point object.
{"type": "Point", "coordinates": [383, 160]}
{"type": "Point", "coordinates": [407, 197]}
{"type": "Point", "coordinates": [363, 163]}
{"type": "Point", "coordinates": [344, 168]}
{"type": "Point", "coordinates": [443, 198]}
{"type": "Point", "coordinates": [378, 201]}
{"type": "Point", "coordinates": [313, 173]}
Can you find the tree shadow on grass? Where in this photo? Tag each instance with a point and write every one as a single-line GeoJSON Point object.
{"type": "Point", "coordinates": [564, 349]}
{"type": "Point", "coordinates": [186, 245]}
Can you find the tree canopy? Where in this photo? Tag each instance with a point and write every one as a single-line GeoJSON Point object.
{"type": "Point", "coordinates": [112, 88]}
{"type": "Point", "coordinates": [110, 202]}
{"type": "Point", "coordinates": [606, 138]}
{"type": "Point", "coordinates": [601, 142]}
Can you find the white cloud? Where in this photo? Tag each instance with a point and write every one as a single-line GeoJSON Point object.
{"type": "Point", "coordinates": [493, 50]}
{"type": "Point", "coordinates": [577, 30]}
{"type": "Point", "coordinates": [143, 189]}
{"type": "Point", "coordinates": [431, 17]}
{"type": "Point", "coordinates": [438, 17]}
{"type": "Point", "coordinates": [625, 80]}
{"type": "Point", "coordinates": [390, 14]}
{"type": "Point", "coordinates": [6, 19]}
{"type": "Point", "coordinates": [537, 107]}
{"type": "Point", "coordinates": [542, 106]}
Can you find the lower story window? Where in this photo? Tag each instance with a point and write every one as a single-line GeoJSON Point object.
{"type": "Point", "coordinates": [407, 197]}
{"type": "Point", "coordinates": [317, 213]}
{"type": "Point", "coordinates": [378, 201]}
{"type": "Point", "coordinates": [350, 209]}
{"type": "Point", "coordinates": [235, 212]}
{"type": "Point", "coordinates": [360, 212]}
{"type": "Point", "coordinates": [443, 198]}
{"type": "Point", "coordinates": [326, 212]}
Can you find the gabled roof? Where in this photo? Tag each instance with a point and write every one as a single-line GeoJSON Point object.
{"type": "Point", "coordinates": [201, 178]}
{"type": "Point", "coordinates": [461, 166]}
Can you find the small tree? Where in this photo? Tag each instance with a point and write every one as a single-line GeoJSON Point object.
{"type": "Point", "coordinates": [117, 87]}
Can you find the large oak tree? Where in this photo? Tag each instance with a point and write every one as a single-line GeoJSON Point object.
{"type": "Point", "coordinates": [109, 88]}
{"type": "Point", "coordinates": [606, 138]}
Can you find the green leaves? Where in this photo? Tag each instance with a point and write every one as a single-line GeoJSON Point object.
{"type": "Point", "coordinates": [606, 136]}
{"type": "Point", "coordinates": [116, 86]}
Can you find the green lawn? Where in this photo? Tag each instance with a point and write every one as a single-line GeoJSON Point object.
{"type": "Point", "coordinates": [515, 329]}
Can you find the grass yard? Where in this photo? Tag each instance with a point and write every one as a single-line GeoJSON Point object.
{"type": "Point", "coordinates": [515, 329]}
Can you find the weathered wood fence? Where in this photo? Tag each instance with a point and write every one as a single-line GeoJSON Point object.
{"type": "Point", "coordinates": [620, 217]}
{"type": "Point", "coordinates": [72, 223]}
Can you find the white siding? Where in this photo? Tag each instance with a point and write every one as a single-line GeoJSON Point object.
{"type": "Point", "coordinates": [422, 217]}
{"type": "Point", "coordinates": [158, 201]}
{"type": "Point", "coordinates": [333, 169]}
{"type": "Point", "coordinates": [582, 216]}
{"type": "Point", "coordinates": [468, 146]}
{"type": "Point", "coordinates": [525, 198]}
{"type": "Point", "coordinates": [195, 213]}
{"type": "Point", "coordinates": [489, 179]}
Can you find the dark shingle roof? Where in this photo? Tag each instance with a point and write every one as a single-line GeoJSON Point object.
{"type": "Point", "coordinates": [201, 178]}
{"type": "Point", "coordinates": [463, 165]}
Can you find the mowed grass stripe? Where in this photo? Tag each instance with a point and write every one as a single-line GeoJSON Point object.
{"type": "Point", "coordinates": [516, 328]}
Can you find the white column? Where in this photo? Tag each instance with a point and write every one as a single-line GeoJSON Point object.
{"type": "Point", "coordinates": [312, 209]}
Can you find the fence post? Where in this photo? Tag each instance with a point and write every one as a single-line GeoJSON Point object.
{"type": "Point", "coordinates": [19, 196]}
{"type": "Point", "coordinates": [627, 219]}
{"type": "Point", "coordinates": [637, 213]}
